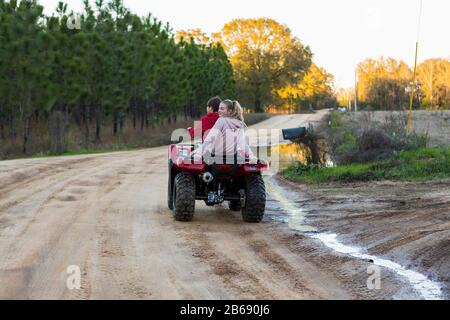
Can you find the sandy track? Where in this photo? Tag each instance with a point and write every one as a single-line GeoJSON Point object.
{"type": "Point", "coordinates": [107, 214]}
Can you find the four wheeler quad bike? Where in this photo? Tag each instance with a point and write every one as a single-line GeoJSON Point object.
{"type": "Point", "coordinates": [237, 181]}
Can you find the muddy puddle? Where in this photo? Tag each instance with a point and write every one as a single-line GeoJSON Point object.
{"type": "Point", "coordinates": [285, 154]}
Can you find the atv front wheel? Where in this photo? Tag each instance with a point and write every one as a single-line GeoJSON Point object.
{"type": "Point", "coordinates": [184, 197]}
{"type": "Point", "coordinates": [255, 202]}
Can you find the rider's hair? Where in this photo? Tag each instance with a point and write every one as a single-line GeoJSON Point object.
{"type": "Point", "coordinates": [235, 109]}
{"type": "Point", "coordinates": [214, 103]}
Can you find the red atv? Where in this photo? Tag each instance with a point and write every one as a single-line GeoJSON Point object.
{"type": "Point", "coordinates": [237, 181]}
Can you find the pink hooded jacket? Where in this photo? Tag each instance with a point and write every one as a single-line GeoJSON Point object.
{"type": "Point", "coordinates": [227, 135]}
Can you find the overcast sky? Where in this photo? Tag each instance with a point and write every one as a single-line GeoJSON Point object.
{"type": "Point", "coordinates": [340, 33]}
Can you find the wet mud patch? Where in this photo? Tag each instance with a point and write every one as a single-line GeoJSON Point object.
{"type": "Point", "coordinates": [405, 223]}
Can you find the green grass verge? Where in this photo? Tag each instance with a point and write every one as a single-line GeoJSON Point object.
{"type": "Point", "coordinates": [417, 165]}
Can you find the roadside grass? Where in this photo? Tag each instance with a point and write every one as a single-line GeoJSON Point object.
{"type": "Point", "coordinates": [365, 140]}
{"type": "Point", "coordinates": [414, 165]}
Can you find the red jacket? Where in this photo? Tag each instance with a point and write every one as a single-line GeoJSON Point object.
{"type": "Point", "coordinates": [206, 123]}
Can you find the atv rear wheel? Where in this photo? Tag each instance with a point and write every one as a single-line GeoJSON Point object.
{"type": "Point", "coordinates": [183, 197]}
{"type": "Point", "coordinates": [255, 201]}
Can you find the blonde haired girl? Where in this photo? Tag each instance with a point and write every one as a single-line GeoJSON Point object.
{"type": "Point", "coordinates": [227, 137]}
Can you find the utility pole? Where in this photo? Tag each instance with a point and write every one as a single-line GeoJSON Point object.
{"type": "Point", "coordinates": [431, 83]}
{"type": "Point", "coordinates": [415, 72]}
{"type": "Point", "coordinates": [356, 91]}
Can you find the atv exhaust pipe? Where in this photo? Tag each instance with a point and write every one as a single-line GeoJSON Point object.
{"type": "Point", "coordinates": [207, 177]}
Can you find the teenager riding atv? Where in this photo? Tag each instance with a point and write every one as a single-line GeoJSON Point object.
{"type": "Point", "coordinates": [208, 121]}
{"type": "Point", "coordinates": [222, 168]}
{"type": "Point", "coordinates": [226, 139]}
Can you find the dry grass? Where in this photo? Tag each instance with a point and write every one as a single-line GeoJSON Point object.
{"type": "Point", "coordinates": [129, 138]}
{"type": "Point", "coordinates": [362, 137]}
{"type": "Point", "coordinates": [434, 123]}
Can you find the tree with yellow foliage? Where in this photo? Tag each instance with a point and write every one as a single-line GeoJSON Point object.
{"type": "Point", "coordinates": [265, 57]}
{"type": "Point", "coordinates": [196, 36]}
{"type": "Point", "coordinates": [434, 78]}
{"type": "Point", "coordinates": [384, 83]}
{"type": "Point", "coordinates": [314, 91]}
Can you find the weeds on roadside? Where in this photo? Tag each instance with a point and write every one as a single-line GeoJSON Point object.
{"type": "Point", "coordinates": [415, 165]}
{"type": "Point", "coordinates": [365, 140]}
{"type": "Point", "coordinates": [364, 149]}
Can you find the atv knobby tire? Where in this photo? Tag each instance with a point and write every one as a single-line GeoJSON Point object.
{"type": "Point", "coordinates": [184, 197]}
{"type": "Point", "coordinates": [255, 200]}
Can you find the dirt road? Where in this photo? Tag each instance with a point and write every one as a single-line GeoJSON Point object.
{"type": "Point", "coordinates": [107, 214]}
